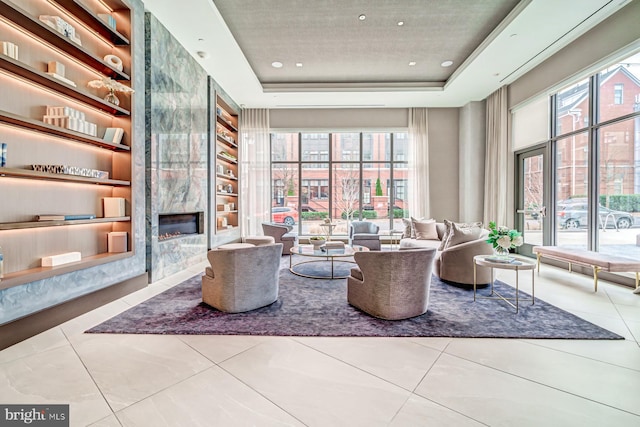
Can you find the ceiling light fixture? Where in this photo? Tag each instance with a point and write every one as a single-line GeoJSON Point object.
{"type": "Point", "coordinates": [362, 17]}
{"type": "Point", "coordinates": [202, 54]}
{"type": "Point", "coordinates": [412, 63]}
{"type": "Point", "coordinates": [400, 23]}
{"type": "Point", "coordinates": [276, 64]}
{"type": "Point", "coordinates": [447, 63]}
{"type": "Point", "coordinates": [299, 64]}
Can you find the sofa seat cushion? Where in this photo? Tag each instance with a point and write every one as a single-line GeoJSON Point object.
{"type": "Point", "coordinates": [366, 237]}
{"type": "Point", "coordinates": [414, 244]}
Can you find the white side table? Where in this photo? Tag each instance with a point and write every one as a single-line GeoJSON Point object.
{"type": "Point", "coordinates": [394, 237]}
{"type": "Point", "coordinates": [517, 265]}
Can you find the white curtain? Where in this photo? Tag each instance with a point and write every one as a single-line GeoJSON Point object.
{"type": "Point", "coordinates": [255, 158]}
{"type": "Point", "coordinates": [419, 163]}
{"type": "Point", "coordinates": [496, 184]}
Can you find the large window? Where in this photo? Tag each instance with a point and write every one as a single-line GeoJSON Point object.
{"type": "Point", "coordinates": [597, 168]}
{"type": "Point", "coordinates": [343, 176]}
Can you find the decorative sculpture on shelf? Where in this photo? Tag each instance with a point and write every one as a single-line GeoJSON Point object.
{"type": "Point", "coordinates": [112, 86]}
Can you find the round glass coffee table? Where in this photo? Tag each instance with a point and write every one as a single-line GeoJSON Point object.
{"type": "Point", "coordinates": [322, 255]}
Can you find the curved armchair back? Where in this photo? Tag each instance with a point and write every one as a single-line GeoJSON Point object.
{"type": "Point", "coordinates": [365, 233]}
{"type": "Point", "coordinates": [242, 279]}
{"type": "Point", "coordinates": [281, 233]}
{"type": "Point", "coordinates": [392, 285]}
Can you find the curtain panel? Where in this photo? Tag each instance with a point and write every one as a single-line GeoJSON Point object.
{"type": "Point", "coordinates": [496, 182]}
{"type": "Point", "coordinates": [419, 163]}
{"type": "Point", "coordinates": [255, 161]}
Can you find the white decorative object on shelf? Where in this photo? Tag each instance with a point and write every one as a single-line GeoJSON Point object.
{"type": "Point", "coordinates": [54, 260]}
{"type": "Point", "coordinates": [113, 207]}
{"type": "Point", "coordinates": [117, 241]}
{"type": "Point", "coordinates": [112, 86]}
{"type": "Point", "coordinates": [61, 26]}
{"type": "Point", "coordinates": [71, 170]}
{"type": "Point", "coordinates": [114, 61]}
{"type": "Point", "coordinates": [10, 49]}
{"type": "Point", "coordinates": [113, 135]}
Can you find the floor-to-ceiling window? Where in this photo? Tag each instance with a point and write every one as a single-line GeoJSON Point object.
{"type": "Point", "coordinates": [595, 141]}
{"type": "Point", "coordinates": [343, 176]}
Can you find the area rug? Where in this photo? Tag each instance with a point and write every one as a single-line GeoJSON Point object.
{"type": "Point", "coordinates": [314, 307]}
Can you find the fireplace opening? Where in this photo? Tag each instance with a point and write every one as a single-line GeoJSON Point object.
{"type": "Point", "coordinates": [171, 226]}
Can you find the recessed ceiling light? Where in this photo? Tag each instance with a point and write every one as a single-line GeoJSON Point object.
{"type": "Point", "coordinates": [447, 63]}
{"type": "Point", "coordinates": [412, 63]}
{"type": "Point", "coordinates": [202, 54]}
{"type": "Point", "coordinates": [299, 64]}
{"type": "Point", "coordinates": [513, 35]}
{"type": "Point", "coordinates": [276, 64]}
{"type": "Point", "coordinates": [362, 17]}
{"type": "Point", "coordinates": [400, 23]}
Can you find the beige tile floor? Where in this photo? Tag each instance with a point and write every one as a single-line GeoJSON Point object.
{"type": "Point", "coordinates": [143, 380]}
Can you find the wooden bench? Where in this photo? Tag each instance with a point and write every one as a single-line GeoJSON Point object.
{"type": "Point", "coordinates": [596, 260]}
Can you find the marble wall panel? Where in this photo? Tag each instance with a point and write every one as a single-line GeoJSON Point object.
{"type": "Point", "coordinates": [177, 164]}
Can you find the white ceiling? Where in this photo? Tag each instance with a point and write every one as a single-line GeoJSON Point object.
{"type": "Point", "coordinates": [492, 43]}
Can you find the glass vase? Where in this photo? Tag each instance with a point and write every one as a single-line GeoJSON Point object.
{"type": "Point", "coordinates": [501, 252]}
{"type": "Point", "coordinates": [112, 98]}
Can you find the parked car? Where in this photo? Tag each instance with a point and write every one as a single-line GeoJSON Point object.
{"type": "Point", "coordinates": [284, 214]}
{"type": "Point", "coordinates": [307, 208]}
{"type": "Point", "coordinates": [572, 216]}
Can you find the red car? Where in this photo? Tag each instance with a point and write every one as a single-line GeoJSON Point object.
{"type": "Point", "coordinates": [285, 215]}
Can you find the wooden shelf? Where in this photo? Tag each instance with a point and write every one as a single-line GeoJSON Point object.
{"type": "Point", "coordinates": [227, 177]}
{"type": "Point", "coordinates": [225, 141]}
{"type": "Point", "coordinates": [222, 194]}
{"type": "Point", "coordinates": [31, 174]}
{"type": "Point", "coordinates": [41, 224]}
{"type": "Point", "coordinates": [43, 31]}
{"type": "Point", "coordinates": [36, 125]}
{"type": "Point", "coordinates": [226, 212]}
{"type": "Point", "coordinates": [93, 21]}
{"type": "Point", "coordinates": [227, 160]}
{"type": "Point", "coordinates": [224, 123]}
{"type": "Point", "coordinates": [23, 70]}
{"type": "Point", "coordinates": [21, 277]}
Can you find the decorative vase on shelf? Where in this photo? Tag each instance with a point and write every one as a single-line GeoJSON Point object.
{"type": "Point", "coordinates": [112, 98]}
{"type": "Point", "coordinates": [501, 252]}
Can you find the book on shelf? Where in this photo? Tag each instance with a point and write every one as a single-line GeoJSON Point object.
{"type": "Point", "coordinates": [113, 135]}
{"type": "Point", "coordinates": [63, 217]}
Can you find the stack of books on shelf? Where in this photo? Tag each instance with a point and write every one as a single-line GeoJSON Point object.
{"type": "Point", "coordinates": [228, 155]}
{"type": "Point", "coordinates": [113, 135]}
{"type": "Point", "coordinates": [10, 49]}
{"type": "Point", "coordinates": [108, 19]}
{"type": "Point", "coordinates": [69, 118]}
{"type": "Point", "coordinates": [61, 26]}
{"type": "Point", "coordinates": [63, 217]}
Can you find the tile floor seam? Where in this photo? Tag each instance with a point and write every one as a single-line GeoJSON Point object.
{"type": "Point", "coordinates": [354, 366]}
{"type": "Point", "coordinates": [163, 389]}
{"type": "Point", "coordinates": [626, 325]}
{"type": "Point", "coordinates": [93, 380]}
{"type": "Point", "coordinates": [414, 393]}
{"type": "Point", "coordinates": [35, 351]}
{"type": "Point", "coordinates": [543, 385]}
{"type": "Point", "coordinates": [264, 397]}
{"type": "Point", "coordinates": [206, 357]}
{"type": "Point", "coordinates": [577, 355]}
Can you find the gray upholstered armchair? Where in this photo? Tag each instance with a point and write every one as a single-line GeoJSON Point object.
{"type": "Point", "coordinates": [391, 285]}
{"type": "Point", "coordinates": [364, 233]}
{"type": "Point", "coordinates": [242, 279]}
{"type": "Point", "coordinates": [281, 233]}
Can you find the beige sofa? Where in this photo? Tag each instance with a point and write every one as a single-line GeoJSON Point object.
{"type": "Point", "coordinates": [455, 264]}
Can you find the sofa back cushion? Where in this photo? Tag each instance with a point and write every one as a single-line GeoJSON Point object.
{"type": "Point", "coordinates": [447, 231]}
{"type": "Point", "coordinates": [426, 230]}
{"type": "Point", "coordinates": [459, 235]}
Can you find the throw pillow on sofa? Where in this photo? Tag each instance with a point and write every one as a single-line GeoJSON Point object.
{"type": "Point", "coordinates": [447, 230]}
{"type": "Point", "coordinates": [425, 230]}
{"type": "Point", "coordinates": [459, 235]}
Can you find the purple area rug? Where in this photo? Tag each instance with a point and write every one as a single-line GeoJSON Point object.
{"type": "Point", "coordinates": [312, 307]}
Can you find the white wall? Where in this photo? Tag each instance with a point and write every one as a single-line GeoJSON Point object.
{"type": "Point", "coordinates": [471, 161]}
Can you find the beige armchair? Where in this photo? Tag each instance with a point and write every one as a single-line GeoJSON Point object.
{"type": "Point", "coordinates": [391, 285]}
{"type": "Point", "coordinates": [365, 233]}
{"type": "Point", "coordinates": [281, 233]}
{"type": "Point", "coordinates": [455, 264]}
{"type": "Point", "coordinates": [242, 279]}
